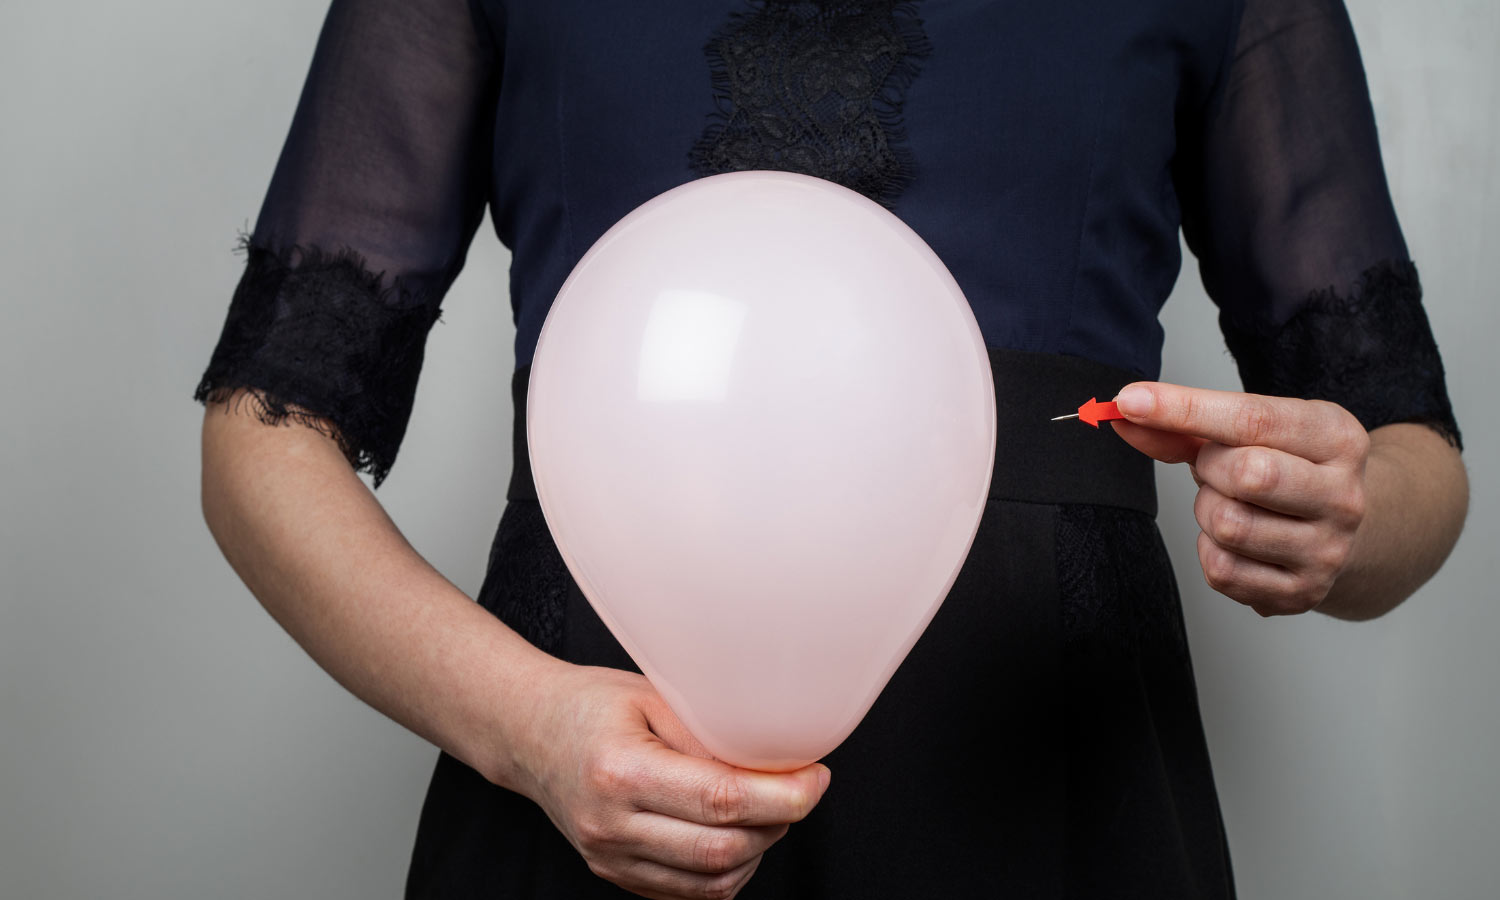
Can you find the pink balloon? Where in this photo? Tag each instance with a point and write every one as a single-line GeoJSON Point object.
{"type": "Point", "coordinates": [761, 423]}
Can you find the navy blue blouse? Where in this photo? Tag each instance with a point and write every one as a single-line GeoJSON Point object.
{"type": "Point", "coordinates": [1049, 152]}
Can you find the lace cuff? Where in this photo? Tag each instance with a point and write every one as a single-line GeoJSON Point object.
{"type": "Point", "coordinates": [1373, 353]}
{"type": "Point", "coordinates": [316, 339]}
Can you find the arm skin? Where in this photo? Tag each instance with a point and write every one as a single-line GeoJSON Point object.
{"type": "Point", "coordinates": [1301, 508]}
{"type": "Point", "coordinates": [597, 749]}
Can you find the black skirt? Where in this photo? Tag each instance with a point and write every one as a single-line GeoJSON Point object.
{"type": "Point", "coordinates": [1042, 739]}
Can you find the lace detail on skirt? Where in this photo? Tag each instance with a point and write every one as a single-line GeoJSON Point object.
{"type": "Point", "coordinates": [316, 338]}
{"type": "Point", "coordinates": [815, 88]}
{"type": "Point", "coordinates": [1372, 352]}
{"type": "Point", "coordinates": [1115, 582]}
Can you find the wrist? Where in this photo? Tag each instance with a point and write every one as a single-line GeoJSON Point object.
{"type": "Point", "coordinates": [509, 745]}
{"type": "Point", "coordinates": [1417, 497]}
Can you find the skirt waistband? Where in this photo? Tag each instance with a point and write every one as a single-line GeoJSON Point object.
{"type": "Point", "coordinates": [1036, 460]}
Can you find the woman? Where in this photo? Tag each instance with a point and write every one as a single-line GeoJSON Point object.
{"type": "Point", "coordinates": [1049, 153]}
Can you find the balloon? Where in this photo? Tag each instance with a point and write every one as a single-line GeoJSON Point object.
{"type": "Point", "coordinates": [761, 423]}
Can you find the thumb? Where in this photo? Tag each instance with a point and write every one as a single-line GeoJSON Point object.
{"type": "Point", "coordinates": [669, 729]}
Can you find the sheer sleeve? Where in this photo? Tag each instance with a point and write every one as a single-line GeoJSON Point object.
{"type": "Point", "coordinates": [378, 192]}
{"type": "Point", "coordinates": [1287, 208]}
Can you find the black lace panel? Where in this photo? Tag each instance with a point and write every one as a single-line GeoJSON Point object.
{"type": "Point", "coordinates": [1371, 352]}
{"type": "Point", "coordinates": [1115, 582]}
{"type": "Point", "coordinates": [316, 339]}
{"type": "Point", "coordinates": [815, 88]}
{"type": "Point", "coordinates": [526, 583]}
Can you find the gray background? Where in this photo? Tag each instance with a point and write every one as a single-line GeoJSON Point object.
{"type": "Point", "coordinates": [160, 737]}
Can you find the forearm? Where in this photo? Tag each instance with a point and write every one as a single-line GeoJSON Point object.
{"type": "Point", "coordinates": [1416, 498]}
{"type": "Point", "coordinates": [318, 551]}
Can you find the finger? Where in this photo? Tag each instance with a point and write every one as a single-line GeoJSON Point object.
{"type": "Point", "coordinates": [1268, 589]}
{"type": "Point", "coordinates": [1280, 481]}
{"type": "Point", "coordinates": [699, 848]}
{"type": "Point", "coordinates": [1253, 532]}
{"type": "Point", "coordinates": [1167, 446]}
{"type": "Point", "coordinates": [709, 792]}
{"type": "Point", "coordinates": [1312, 429]}
{"type": "Point", "coordinates": [654, 880]}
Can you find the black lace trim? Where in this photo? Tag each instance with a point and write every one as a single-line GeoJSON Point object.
{"type": "Point", "coordinates": [526, 584]}
{"type": "Point", "coordinates": [1115, 583]}
{"type": "Point", "coordinates": [315, 338]}
{"type": "Point", "coordinates": [815, 88]}
{"type": "Point", "coordinates": [1372, 352]}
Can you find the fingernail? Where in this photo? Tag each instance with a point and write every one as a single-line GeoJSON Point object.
{"type": "Point", "coordinates": [824, 777]}
{"type": "Point", "coordinates": [1136, 401]}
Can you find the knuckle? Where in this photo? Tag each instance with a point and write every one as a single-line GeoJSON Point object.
{"type": "Point", "coordinates": [1348, 434]}
{"type": "Point", "coordinates": [592, 832]}
{"type": "Point", "coordinates": [609, 773]}
{"type": "Point", "coordinates": [1351, 504]}
{"type": "Point", "coordinates": [724, 800]}
{"type": "Point", "coordinates": [600, 868]}
{"type": "Point", "coordinates": [801, 804]}
{"type": "Point", "coordinates": [1218, 568]}
{"type": "Point", "coordinates": [1233, 524]}
{"type": "Point", "coordinates": [717, 851]}
{"type": "Point", "coordinates": [1307, 594]}
{"type": "Point", "coordinates": [1187, 410]}
{"type": "Point", "coordinates": [720, 887]}
{"type": "Point", "coordinates": [1203, 507]}
{"type": "Point", "coordinates": [1254, 422]}
{"type": "Point", "coordinates": [1359, 441]}
{"type": "Point", "coordinates": [1305, 589]}
{"type": "Point", "coordinates": [1329, 415]}
{"type": "Point", "coordinates": [1255, 472]}
{"type": "Point", "coordinates": [1274, 602]}
{"type": "Point", "coordinates": [1332, 557]}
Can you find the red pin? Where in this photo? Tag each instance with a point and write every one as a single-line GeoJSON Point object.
{"type": "Point", "coordinates": [1094, 412]}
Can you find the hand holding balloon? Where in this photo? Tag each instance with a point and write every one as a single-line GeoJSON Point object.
{"type": "Point", "coordinates": [640, 798]}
